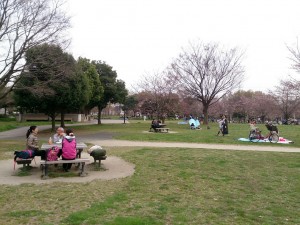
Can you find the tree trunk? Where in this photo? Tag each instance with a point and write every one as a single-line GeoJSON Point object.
{"type": "Point", "coordinates": [22, 118]}
{"type": "Point", "coordinates": [124, 117]}
{"type": "Point", "coordinates": [62, 119]}
{"type": "Point", "coordinates": [163, 119]}
{"type": "Point", "coordinates": [52, 116]}
{"type": "Point", "coordinates": [205, 113]}
{"type": "Point", "coordinates": [99, 115]}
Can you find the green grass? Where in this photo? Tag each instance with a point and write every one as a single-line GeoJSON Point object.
{"type": "Point", "coordinates": [9, 124]}
{"type": "Point", "coordinates": [170, 186]}
{"type": "Point", "coordinates": [24, 171]}
{"type": "Point", "coordinates": [138, 131]}
{"type": "Point", "coordinates": [5, 126]}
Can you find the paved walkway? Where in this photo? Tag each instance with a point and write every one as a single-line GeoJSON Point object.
{"type": "Point", "coordinates": [121, 143]}
{"type": "Point", "coordinates": [20, 132]}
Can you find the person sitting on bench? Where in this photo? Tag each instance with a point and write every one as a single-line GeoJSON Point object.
{"type": "Point", "coordinates": [154, 125]}
{"type": "Point", "coordinates": [68, 149]}
{"type": "Point", "coordinates": [32, 142]}
{"type": "Point", "coordinates": [59, 135]}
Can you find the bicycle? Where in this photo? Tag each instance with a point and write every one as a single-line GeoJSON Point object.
{"type": "Point", "coordinates": [273, 136]}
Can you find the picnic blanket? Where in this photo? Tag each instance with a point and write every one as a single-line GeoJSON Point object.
{"type": "Point", "coordinates": [281, 140]}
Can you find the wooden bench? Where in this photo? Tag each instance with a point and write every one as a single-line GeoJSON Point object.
{"type": "Point", "coordinates": [24, 162]}
{"type": "Point", "coordinates": [45, 164]}
{"type": "Point", "coordinates": [161, 129]}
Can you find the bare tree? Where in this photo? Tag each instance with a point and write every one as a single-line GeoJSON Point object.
{"type": "Point", "coordinates": [23, 25]}
{"type": "Point", "coordinates": [295, 56]}
{"type": "Point", "coordinates": [239, 105]}
{"type": "Point", "coordinates": [161, 100]}
{"type": "Point", "coordinates": [264, 106]}
{"type": "Point", "coordinates": [207, 73]}
{"type": "Point", "coordinates": [287, 97]}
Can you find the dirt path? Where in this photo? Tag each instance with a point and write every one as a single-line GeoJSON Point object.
{"type": "Point", "coordinates": [115, 168]}
{"type": "Point", "coordinates": [121, 143]}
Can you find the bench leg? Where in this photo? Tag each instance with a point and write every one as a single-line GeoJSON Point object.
{"type": "Point", "coordinates": [82, 173]}
{"type": "Point", "coordinates": [45, 172]}
{"type": "Point", "coordinates": [78, 155]}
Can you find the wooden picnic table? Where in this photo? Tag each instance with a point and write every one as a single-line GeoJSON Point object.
{"type": "Point", "coordinates": [159, 128]}
{"type": "Point", "coordinates": [81, 163]}
{"type": "Point", "coordinates": [79, 146]}
{"type": "Point", "coordinates": [161, 125]}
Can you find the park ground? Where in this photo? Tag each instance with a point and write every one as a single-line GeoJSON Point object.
{"type": "Point", "coordinates": [184, 177]}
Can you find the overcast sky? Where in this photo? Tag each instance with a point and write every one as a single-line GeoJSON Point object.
{"type": "Point", "coordinates": [143, 36]}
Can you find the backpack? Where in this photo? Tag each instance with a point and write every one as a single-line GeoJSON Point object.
{"type": "Point", "coordinates": [25, 154]}
{"type": "Point", "coordinates": [52, 153]}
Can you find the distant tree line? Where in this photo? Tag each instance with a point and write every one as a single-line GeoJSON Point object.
{"type": "Point", "coordinates": [211, 76]}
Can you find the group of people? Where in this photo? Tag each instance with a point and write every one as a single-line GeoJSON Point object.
{"type": "Point", "coordinates": [256, 133]}
{"type": "Point", "coordinates": [155, 124]}
{"type": "Point", "coordinates": [223, 125]}
{"type": "Point", "coordinates": [68, 141]}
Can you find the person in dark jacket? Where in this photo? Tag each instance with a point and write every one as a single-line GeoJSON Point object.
{"type": "Point", "coordinates": [225, 125]}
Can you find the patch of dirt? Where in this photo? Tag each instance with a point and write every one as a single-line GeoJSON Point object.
{"type": "Point", "coordinates": [150, 132]}
{"type": "Point", "coordinates": [111, 168]}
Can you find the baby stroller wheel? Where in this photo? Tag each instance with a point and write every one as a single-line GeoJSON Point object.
{"type": "Point", "coordinates": [274, 138]}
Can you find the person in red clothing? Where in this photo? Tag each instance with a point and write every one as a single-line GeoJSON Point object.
{"type": "Point", "coordinates": [68, 149]}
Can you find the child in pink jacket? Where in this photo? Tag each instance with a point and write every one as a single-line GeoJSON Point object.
{"type": "Point", "coordinates": [68, 149]}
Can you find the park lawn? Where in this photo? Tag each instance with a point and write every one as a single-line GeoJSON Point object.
{"type": "Point", "coordinates": [7, 148]}
{"type": "Point", "coordinates": [137, 130]}
{"type": "Point", "coordinates": [9, 124]}
{"type": "Point", "coordinates": [170, 186]}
